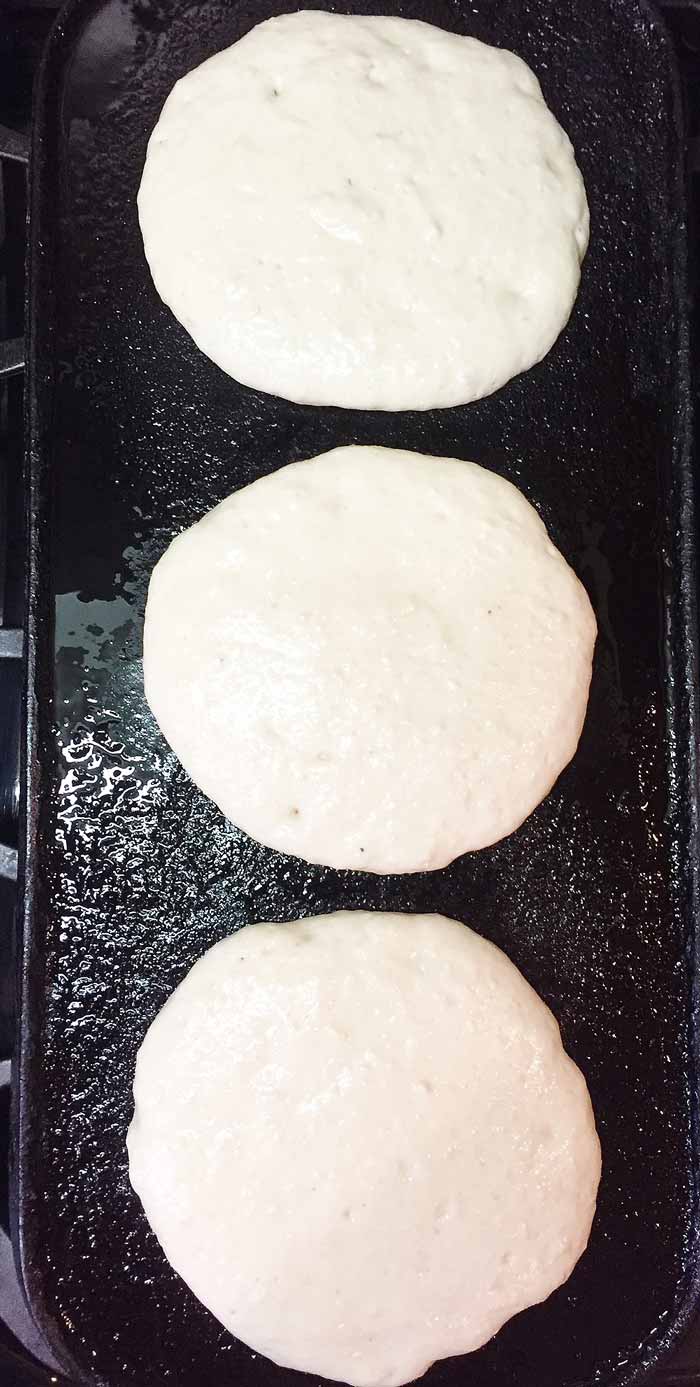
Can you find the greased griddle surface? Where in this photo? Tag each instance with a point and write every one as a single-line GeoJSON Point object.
{"type": "Point", "coordinates": [132, 874]}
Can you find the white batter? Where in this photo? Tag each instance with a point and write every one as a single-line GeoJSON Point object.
{"type": "Point", "coordinates": [373, 660]}
{"type": "Point", "coordinates": [369, 212]}
{"type": "Point", "coordinates": [360, 1142]}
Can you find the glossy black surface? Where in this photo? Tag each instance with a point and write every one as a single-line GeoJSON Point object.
{"type": "Point", "coordinates": [131, 874]}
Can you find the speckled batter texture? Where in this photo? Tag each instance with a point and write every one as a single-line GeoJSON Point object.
{"type": "Point", "coordinates": [362, 211]}
{"type": "Point", "coordinates": [372, 659]}
{"type": "Point", "coordinates": [361, 1143]}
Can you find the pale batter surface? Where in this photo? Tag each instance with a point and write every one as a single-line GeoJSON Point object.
{"type": "Point", "coordinates": [363, 211]}
{"type": "Point", "coordinates": [360, 1142]}
{"type": "Point", "coordinates": [373, 659]}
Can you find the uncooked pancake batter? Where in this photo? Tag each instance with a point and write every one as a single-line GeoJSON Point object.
{"type": "Point", "coordinates": [362, 211]}
{"type": "Point", "coordinates": [373, 659]}
{"type": "Point", "coordinates": [360, 1142]}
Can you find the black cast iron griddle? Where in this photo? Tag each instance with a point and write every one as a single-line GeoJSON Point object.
{"type": "Point", "coordinates": [131, 874]}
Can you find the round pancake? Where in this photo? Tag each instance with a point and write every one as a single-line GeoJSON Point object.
{"type": "Point", "coordinates": [373, 659]}
{"type": "Point", "coordinates": [363, 211]}
{"type": "Point", "coordinates": [360, 1142]}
